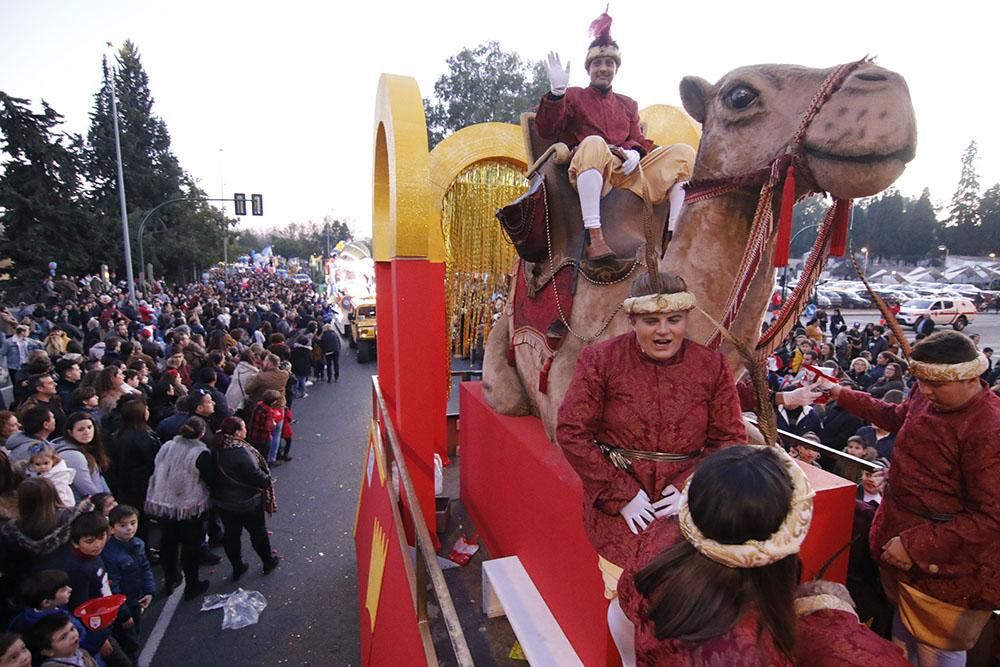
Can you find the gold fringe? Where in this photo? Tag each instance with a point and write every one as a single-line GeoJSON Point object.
{"type": "Point", "coordinates": [478, 255]}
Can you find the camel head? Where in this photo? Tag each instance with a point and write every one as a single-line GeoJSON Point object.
{"type": "Point", "coordinates": [856, 146]}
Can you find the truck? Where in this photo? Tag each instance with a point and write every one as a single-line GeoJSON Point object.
{"type": "Point", "coordinates": [361, 330]}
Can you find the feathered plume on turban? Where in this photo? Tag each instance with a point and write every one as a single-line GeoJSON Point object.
{"type": "Point", "coordinates": [602, 44]}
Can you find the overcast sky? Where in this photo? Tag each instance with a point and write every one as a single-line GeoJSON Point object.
{"type": "Point", "coordinates": [278, 97]}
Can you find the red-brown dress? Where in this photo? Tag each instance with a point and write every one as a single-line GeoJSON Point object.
{"type": "Point", "coordinates": [583, 112]}
{"type": "Point", "coordinates": [943, 463]}
{"type": "Point", "coordinates": [834, 638]}
{"type": "Point", "coordinates": [685, 405]}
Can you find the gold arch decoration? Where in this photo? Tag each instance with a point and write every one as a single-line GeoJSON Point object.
{"type": "Point", "coordinates": [474, 172]}
{"type": "Point", "coordinates": [403, 216]}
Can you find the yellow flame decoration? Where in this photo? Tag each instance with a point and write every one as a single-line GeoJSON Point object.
{"type": "Point", "coordinates": [478, 255]}
{"type": "Point", "coordinates": [376, 568]}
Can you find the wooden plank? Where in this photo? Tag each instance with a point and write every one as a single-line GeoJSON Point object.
{"type": "Point", "coordinates": [506, 581]}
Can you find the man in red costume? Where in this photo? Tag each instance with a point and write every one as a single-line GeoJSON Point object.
{"type": "Point", "coordinates": [938, 527]}
{"type": "Point", "coordinates": [642, 410]}
{"type": "Point", "coordinates": [601, 127]}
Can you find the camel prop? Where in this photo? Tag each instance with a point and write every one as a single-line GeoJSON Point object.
{"type": "Point", "coordinates": [849, 132]}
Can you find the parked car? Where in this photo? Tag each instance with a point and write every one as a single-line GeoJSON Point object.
{"type": "Point", "coordinates": [957, 312]}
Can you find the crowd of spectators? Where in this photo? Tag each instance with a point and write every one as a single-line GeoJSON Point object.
{"type": "Point", "coordinates": [139, 436]}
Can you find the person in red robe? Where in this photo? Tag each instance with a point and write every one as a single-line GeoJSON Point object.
{"type": "Point", "coordinates": [602, 129]}
{"type": "Point", "coordinates": [938, 526]}
{"type": "Point", "coordinates": [723, 595]}
{"type": "Point", "coordinates": [643, 409]}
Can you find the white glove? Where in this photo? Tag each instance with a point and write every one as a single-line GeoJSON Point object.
{"type": "Point", "coordinates": [667, 505]}
{"type": "Point", "coordinates": [639, 513]}
{"type": "Point", "coordinates": [558, 75]}
{"type": "Point", "coordinates": [631, 161]}
{"type": "Point", "coordinates": [805, 395]}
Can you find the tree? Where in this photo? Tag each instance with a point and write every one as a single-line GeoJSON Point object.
{"type": "Point", "coordinates": [917, 238]}
{"type": "Point", "coordinates": [305, 239]}
{"type": "Point", "coordinates": [483, 84]}
{"type": "Point", "coordinates": [189, 234]}
{"type": "Point", "coordinates": [40, 192]}
{"type": "Point", "coordinates": [989, 214]}
{"type": "Point", "coordinates": [962, 229]}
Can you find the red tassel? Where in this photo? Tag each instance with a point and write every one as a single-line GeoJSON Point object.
{"type": "Point", "coordinates": [543, 377]}
{"type": "Point", "coordinates": [783, 241]}
{"type": "Point", "coordinates": [841, 227]}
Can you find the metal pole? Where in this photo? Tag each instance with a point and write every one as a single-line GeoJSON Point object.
{"type": "Point", "coordinates": [121, 191]}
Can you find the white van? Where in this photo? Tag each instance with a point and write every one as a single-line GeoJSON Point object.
{"type": "Point", "coordinates": [956, 311]}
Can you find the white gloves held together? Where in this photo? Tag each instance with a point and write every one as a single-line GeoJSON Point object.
{"type": "Point", "coordinates": [639, 513]}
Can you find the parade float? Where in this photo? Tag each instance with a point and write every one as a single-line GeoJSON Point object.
{"type": "Point", "coordinates": [441, 261]}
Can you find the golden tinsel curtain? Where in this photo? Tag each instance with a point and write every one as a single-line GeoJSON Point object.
{"type": "Point", "coordinates": [479, 255]}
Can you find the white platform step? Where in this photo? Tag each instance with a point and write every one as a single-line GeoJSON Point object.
{"type": "Point", "coordinates": [507, 589]}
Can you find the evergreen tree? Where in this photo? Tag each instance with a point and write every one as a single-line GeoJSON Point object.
{"type": "Point", "coordinates": [182, 235]}
{"type": "Point", "coordinates": [483, 84]}
{"type": "Point", "coordinates": [41, 216]}
{"type": "Point", "coordinates": [962, 229]}
{"type": "Point", "coordinates": [917, 237]}
{"type": "Point", "coordinates": [989, 214]}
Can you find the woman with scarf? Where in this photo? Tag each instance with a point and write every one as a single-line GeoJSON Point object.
{"type": "Point", "coordinates": [242, 493]}
{"type": "Point", "coordinates": [178, 496]}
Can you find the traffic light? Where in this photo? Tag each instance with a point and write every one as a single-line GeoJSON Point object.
{"type": "Point", "coordinates": [240, 203]}
{"type": "Point", "coordinates": [257, 204]}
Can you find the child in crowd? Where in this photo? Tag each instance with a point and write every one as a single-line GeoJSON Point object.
{"type": "Point", "coordinates": [44, 462]}
{"type": "Point", "coordinates": [130, 573]}
{"type": "Point", "coordinates": [104, 503]}
{"type": "Point", "coordinates": [85, 399]}
{"type": "Point", "coordinates": [263, 418]}
{"type": "Point", "coordinates": [48, 592]}
{"type": "Point", "coordinates": [13, 652]}
{"type": "Point", "coordinates": [57, 642]}
{"type": "Point", "coordinates": [848, 469]}
{"type": "Point", "coordinates": [88, 576]}
{"type": "Point", "coordinates": [287, 432]}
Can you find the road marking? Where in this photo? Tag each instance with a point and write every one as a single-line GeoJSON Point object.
{"type": "Point", "coordinates": [160, 629]}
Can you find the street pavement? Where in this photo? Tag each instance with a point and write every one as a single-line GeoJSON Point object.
{"type": "Point", "coordinates": [312, 612]}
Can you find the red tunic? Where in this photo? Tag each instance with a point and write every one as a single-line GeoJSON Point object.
{"type": "Point", "coordinates": [942, 463]}
{"type": "Point", "coordinates": [834, 638]}
{"type": "Point", "coordinates": [584, 112]}
{"type": "Point", "coordinates": [618, 395]}
{"type": "Point", "coordinates": [745, 645]}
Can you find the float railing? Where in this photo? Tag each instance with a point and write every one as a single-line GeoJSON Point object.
{"type": "Point", "coordinates": [426, 556]}
{"type": "Point", "coordinates": [824, 450]}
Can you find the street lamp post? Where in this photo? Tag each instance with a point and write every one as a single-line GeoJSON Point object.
{"type": "Point", "coordinates": [784, 273]}
{"type": "Point", "coordinates": [110, 81]}
{"type": "Point", "coordinates": [865, 252]}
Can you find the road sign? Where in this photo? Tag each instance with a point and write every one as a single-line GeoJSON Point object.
{"type": "Point", "coordinates": [257, 204]}
{"type": "Point", "coordinates": [240, 203]}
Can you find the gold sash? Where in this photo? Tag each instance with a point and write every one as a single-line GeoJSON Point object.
{"type": "Point", "coordinates": [939, 624]}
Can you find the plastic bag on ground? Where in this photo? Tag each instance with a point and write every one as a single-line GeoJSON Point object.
{"type": "Point", "coordinates": [239, 608]}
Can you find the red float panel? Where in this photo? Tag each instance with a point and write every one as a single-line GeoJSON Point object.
{"type": "Point", "coordinates": [525, 500]}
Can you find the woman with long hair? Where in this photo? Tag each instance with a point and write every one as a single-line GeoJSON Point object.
{"type": "Point", "coordinates": [39, 538]}
{"type": "Point", "coordinates": [243, 493]}
{"type": "Point", "coordinates": [82, 450]}
{"type": "Point", "coordinates": [724, 594]}
{"type": "Point", "coordinates": [178, 496]}
{"type": "Point", "coordinates": [109, 386]}
{"type": "Point", "coordinates": [133, 457]}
